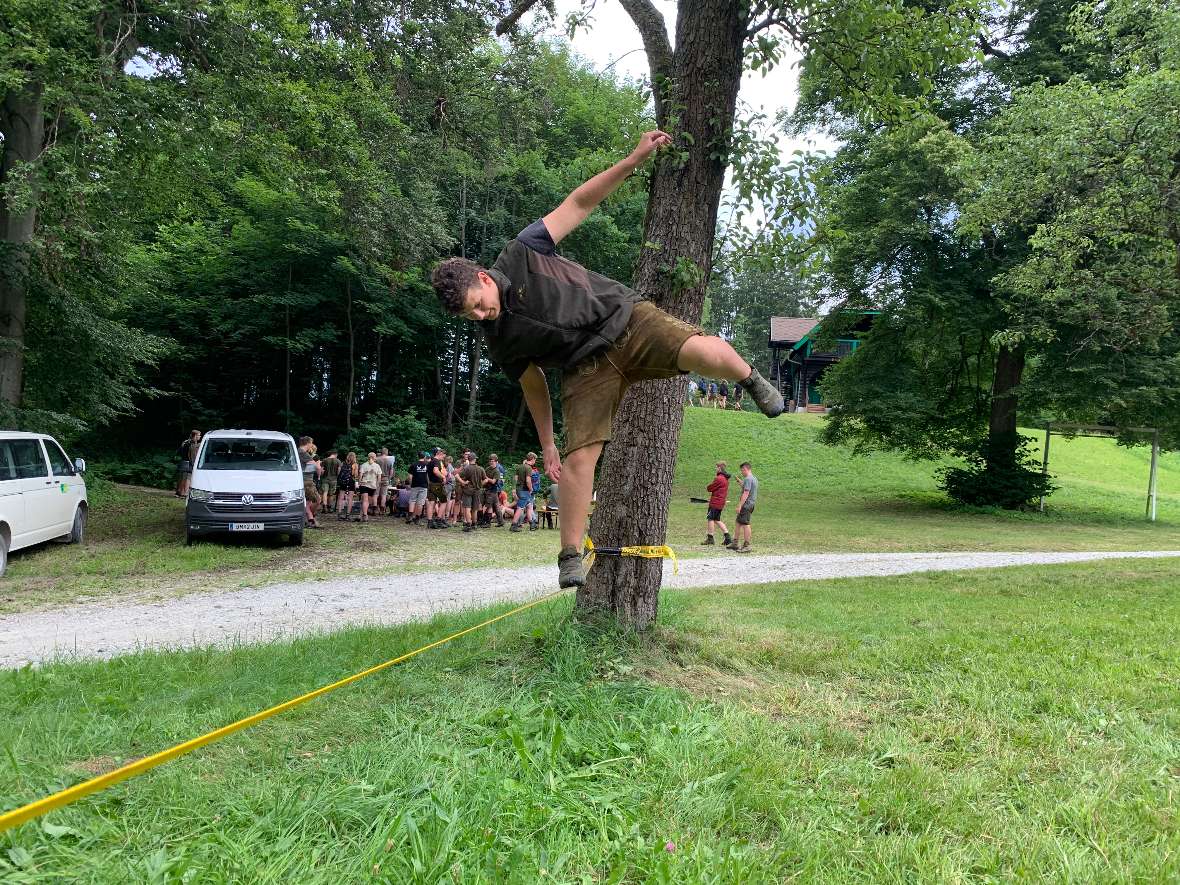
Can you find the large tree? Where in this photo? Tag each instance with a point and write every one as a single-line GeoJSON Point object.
{"type": "Point", "coordinates": [1020, 241]}
{"type": "Point", "coordinates": [695, 76]}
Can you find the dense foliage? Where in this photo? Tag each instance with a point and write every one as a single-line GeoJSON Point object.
{"type": "Point", "coordinates": [1021, 236]}
{"type": "Point", "coordinates": [239, 227]}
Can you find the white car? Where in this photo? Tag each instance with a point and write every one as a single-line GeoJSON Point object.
{"type": "Point", "coordinates": [42, 494]}
{"type": "Point", "coordinates": [246, 481]}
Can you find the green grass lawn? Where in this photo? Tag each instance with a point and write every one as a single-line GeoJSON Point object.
{"type": "Point", "coordinates": [813, 499]}
{"type": "Point", "coordinates": [1011, 725]}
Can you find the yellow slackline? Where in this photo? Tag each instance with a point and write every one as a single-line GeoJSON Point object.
{"type": "Point", "coordinates": [647, 551]}
{"type": "Point", "coordinates": [14, 818]}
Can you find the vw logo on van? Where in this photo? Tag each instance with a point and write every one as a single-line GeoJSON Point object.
{"type": "Point", "coordinates": [247, 500]}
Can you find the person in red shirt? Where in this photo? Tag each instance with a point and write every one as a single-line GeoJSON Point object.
{"type": "Point", "coordinates": [718, 490]}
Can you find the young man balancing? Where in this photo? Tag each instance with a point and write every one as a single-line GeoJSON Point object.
{"type": "Point", "coordinates": [538, 310]}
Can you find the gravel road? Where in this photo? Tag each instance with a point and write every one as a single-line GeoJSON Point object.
{"type": "Point", "coordinates": [277, 610]}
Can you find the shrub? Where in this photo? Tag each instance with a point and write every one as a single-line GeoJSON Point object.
{"type": "Point", "coordinates": [156, 470]}
{"type": "Point", "coordinates": [404, 434]}
{"type": "Point", "coordinates": [1000, 472]}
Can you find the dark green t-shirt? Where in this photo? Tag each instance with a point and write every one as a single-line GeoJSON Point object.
{"type": "Point", "coordinates": [524, 475]}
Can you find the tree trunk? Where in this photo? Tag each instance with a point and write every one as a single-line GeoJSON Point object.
{"type": "Point", "coordinates": [516, 425]}
{"type": "Point", "coordinates": [22, 128]}
{"type": "Point", "coordinates": [706, 71]}
{"type": "Point", "coordinates": [287, 372]}
{"type": "Point", "coordinates": [455, 347]}
{"type": "Point", "coordinates": [1009, 368]}
{"type": "Point", "coordinates": [473, 401]}
{"type": "Point", "coordinates": [351, 357]}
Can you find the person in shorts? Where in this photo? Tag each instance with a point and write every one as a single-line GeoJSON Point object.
{"type": "Point", "coordinates": [419, 482]}
{"type": "Point", "coordinates": [471, 480]}
{"type": "Point", "coordinates": [524, 490]}
{"type": "Point", "coordinates": [722, 393]}
{"type": "Point", "coordinates": [718, 491]}
{"type": "Point", "coordinates": [436, 491]}
{"type": "Point", "coordinates": [187, 455]}
{"type": "Point", "coordinates": [386, 462]}
{"type": "Point", "coordinates": [493, 486]}
{"type": "Point", "coordinates": [538, 310]}
{"type": "Point", "coordinates": [311, 476]}
{"type": "Point", "coordinates": [328, 480]}
{"type": "Point", "coordinates": [745, 509]}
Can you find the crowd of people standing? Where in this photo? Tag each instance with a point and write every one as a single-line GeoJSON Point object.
{"type": "Point", "coordinates": [433, 491]}
{"type": "Point", "coordinates": [715, 394]}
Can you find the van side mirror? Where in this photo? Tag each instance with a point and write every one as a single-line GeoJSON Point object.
{"type": "Point", "coordinates": [79, 466]}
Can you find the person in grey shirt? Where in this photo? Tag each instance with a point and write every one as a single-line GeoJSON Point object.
{"type": "Point", "coordinates": [741, 540]}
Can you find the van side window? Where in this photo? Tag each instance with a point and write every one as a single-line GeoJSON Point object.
{"type": "Point", "coordinates": [7, 465]}
{"type": "Point", "coordinates": [57, 459]}
{"type": "Point", "coordinates": [27, 458]}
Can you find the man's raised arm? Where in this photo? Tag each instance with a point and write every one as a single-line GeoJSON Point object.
{"type": "Point", "coordinates": [578, 205]}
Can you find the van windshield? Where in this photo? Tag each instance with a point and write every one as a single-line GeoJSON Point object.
{"type": "Point", "coordinates": [227, 453]}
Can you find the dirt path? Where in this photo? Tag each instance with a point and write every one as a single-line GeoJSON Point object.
{"type": "Point", "coordinates": [277, 610]}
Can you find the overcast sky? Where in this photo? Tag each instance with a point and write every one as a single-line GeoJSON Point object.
{"type": "Point", "coordinates": [612, 38]}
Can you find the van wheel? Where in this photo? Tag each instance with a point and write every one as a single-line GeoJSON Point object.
{"type": "Point", "coordinates": [78, 532]}
{"type": "Point", "coordinates": [3, 554]}
{"type": "Point", "coordinates": [295, 539]}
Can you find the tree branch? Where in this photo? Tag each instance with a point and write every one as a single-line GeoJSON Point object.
{"type": "Point", "coordinates": [769, 22]}
{"type": "Point", "coordinates": [514, 16]}
{"type": "Point", "coordinates": [654, 33]}
{"type": "Point", "coordinates": [987, 48]}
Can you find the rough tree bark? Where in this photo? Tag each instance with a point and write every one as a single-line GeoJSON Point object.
{"type": "Point", "coordinates": [695, 84]}
{"type": "Point", "coordinates": [1009, 369]}
{"type": "Point", "coordinates": [22, 129]}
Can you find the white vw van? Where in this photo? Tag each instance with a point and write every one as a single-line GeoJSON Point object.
{"type": "Point", "coordinates": [246, 481]}
{"type": "Point", "coordinates": [42, 494]}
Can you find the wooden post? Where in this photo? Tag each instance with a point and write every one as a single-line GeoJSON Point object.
{"type": "Point", "coordinates": [1045, 461]}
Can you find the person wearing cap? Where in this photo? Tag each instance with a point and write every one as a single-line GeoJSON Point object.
{"type": "Point", "coordinates": [718, 491]}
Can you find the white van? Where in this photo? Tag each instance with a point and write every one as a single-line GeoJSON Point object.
{"type": "Point", "coordinates": [42, 494]}
{"type": "Point", "coordinates": [246, 481]}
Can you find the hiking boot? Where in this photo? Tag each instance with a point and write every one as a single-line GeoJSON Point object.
{"type": "Point", "coordinates": [728, 540]}
{"type": "Point", "coordinates": [765, 395]}
{"type": "Point", "coordinates": [745, 548]}
{"type": "Point", "coordinates": [515, 527]}
{"type": "Point", "coordinates": [532, 527]}
{"type": "Point", "coordinates": [469, 528]}
{"type": "Point", "coordinates": [570, 572]}
{"type": "Point", "coordinates": [732, 545]}
{"type": "Point", "coordinates": [708, 542]}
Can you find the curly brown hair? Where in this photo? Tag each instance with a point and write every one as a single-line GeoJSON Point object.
{"type": "Point", "coordinates": [452, 277]}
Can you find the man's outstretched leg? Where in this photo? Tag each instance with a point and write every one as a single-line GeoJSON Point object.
{"type": "Point", "coordinates": [714, 358]}
{"type": "Point", "coordinates": [577, 488]}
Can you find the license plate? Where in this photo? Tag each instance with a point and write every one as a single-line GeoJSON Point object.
{"type": "Point", "coordinates": [245, 526]}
